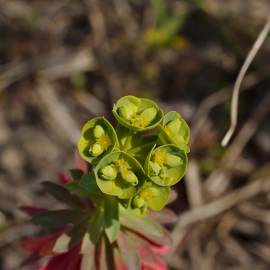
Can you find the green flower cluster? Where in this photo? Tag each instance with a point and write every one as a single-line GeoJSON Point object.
{"type": "Point", "coordinates": [136, 165]}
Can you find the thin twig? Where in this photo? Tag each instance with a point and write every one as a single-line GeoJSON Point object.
{"type": "Point", "coordinates": [235, 97]}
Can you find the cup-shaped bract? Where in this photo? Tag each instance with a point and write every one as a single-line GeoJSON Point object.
{"type": "Point", "coordinates": [166, 165]}
{"type": "Point", "coordinates": [119, 174]}
{"type": "Point", "coordinates": [98, 138]}
{"type": "Point", "coordinates": [137, 114]}
{"type": "Point", "coordinates": [150, 195]}
{"type": "Point", "coordinates": [174, 130]}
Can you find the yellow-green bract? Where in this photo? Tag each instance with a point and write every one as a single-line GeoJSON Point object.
{"type": "Point", "coordinates": [166, 165]}
{"type": "Point", "coordinates": [137, 114]}
{"type": "Point", "coordinates": [127, 180]}
{"type": "Point", "coordinates": [98, 138]}
{"type": "Point", "coordinates": [174, 130]}
{"type": "Point", "coordinates": [151, 195]}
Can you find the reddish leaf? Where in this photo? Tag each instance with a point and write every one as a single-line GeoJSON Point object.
{"type": "Point", "coordinates": [63, 195]}
{"type": "Point", "coordinates": [146, 228]}
{"type": "Point", "coordinates": [103, 256]}
{"type": "Point", "coordinates": [31, 210]}
{"type": "Point", "coordinates": [70, 260]}
{"type": "Point", "coordinates": [118, 260]}
{"type": "Point", "coordinates": [160, 265]}
{"type": "Point", "coordinates": [34, 257]}
{"type": "Point", "coordinates": [128, 251]}
{"type": "Point", "coordinates": [160, 249]}
{"type": "Point", "coordinates": [88, 254]}
{"type": "Point", "coordinates": [42, 245]}
{"type": "Point", "coordinates": [63, 178]}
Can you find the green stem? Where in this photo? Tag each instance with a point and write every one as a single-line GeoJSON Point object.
{"type": "Point", "coordinates": [138, 148]}
{"type": "Point", "coordinates": [127, 140]}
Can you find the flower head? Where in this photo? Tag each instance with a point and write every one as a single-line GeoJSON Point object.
{"type": "Point", "coordinates": [175, 130]}
{"type": "Point", "coordinates": [97, 139]}
{"type": "Point", "coordinates": [119, 174]}
{"type": "Point", "coordinates": [166, 165]}
{"type": "Point", "coordinates": [137, 113]}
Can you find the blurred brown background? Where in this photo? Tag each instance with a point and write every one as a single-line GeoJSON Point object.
{"type": "Point", "coordinates": [63, 62]}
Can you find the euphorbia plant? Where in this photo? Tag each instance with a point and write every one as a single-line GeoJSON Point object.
{"type": "Point", "coordinates": [125, 173]}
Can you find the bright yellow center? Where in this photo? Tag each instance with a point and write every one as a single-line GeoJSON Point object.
{"type": "Point", "coordinates": [104, 141]}
{"type": "Point", "coordinates": [124, 167]}
{"type": "Point", "coordinates": [139, 121]}
{"type": "Point", "coordinates": [147, 194]}
{"type": "Point", "coordinates": [160, 157]}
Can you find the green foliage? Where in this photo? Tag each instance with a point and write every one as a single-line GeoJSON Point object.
{"type": "Point", "coordinates": [165, 32]}
{"type": "Point", "coordinates": [58, 218]}
{"type": "Point", "coordinates": [111, 218]}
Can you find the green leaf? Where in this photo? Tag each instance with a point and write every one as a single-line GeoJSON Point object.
{"type": "Point", "coordinates": [77, 232]}
{"type": "Point", "coordinates": [76, 174]}
{"type": "Point", "coordinates": [96, 225]}
{"type": "Point", "coordinates": [76, 189]}
{"type": "Point", "coordinates": [111, 218]}
{"type": "Point", "coordinates": [173, 24]}
{"type": "Point", "coordinates": [141, 145]}
{"type": "Point", "coordinates": [160, 9]}
{"type": "Point", "coordinates": [61, 194]}
{"type": "Point", "coordinates": [119, 186]}
{"type": "Point", "coordinates": [138, 119]}
{"type": "Point", "coordinates": [136, 144]}
{"type": "Point", "coordinates": [85, 188]}
{"type": "Point", "coordinates": [125, 137]}
{"type": "Point", "coordinates": [88, 182]}
{"type": "Point", "coordinates": [87, 139]}
{"type": "Point", "coordinates": [56, 218]}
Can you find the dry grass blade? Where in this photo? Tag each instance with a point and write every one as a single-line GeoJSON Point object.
{"type": "Point", "coordinates": [235, 97]}
{"type": "Point", "coordinates": [217, 207]}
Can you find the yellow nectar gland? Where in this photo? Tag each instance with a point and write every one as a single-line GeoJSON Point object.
{"type": "Point", "coordinates": [139, 121]}
{"type": "Point", "coordinates": [143, 119]}
{"type": "Point", "coordinates": [160, 157]}
{"type": "Point", "coordinates": [104, 141]}
{"type": "Point", "coordinates": [147, 194]}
